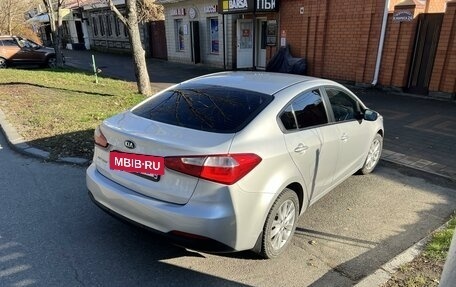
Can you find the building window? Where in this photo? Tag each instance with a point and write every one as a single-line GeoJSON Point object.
{"type": "Point", "coordinates": [102, 27]}
{"type": "Point", "coordinates": [116, 26]}
{"type": "Point", "coordinates": [108, 25]}
{"type": "Point", "coordinates": [214, 35]}
{"type": "Point", "coordinates": [180, 44]}
{"type": "Point", "coordinates": [95, 26]}
{"type": "Point", "coordinates": [125, 29]}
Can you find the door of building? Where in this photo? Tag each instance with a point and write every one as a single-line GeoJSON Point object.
{"type": "Point", "coordinates": [158, 40]}
{"type": "Point", "coordinates": [244, 43]}
{"type": "Point", "coordinates": [79, 32]}
{"type": "Point", "coordinates": [261, 44]}
{"type": "Point", "coordinates": [427, 40]}
{"type": "Point", "coordinates": [195, 39]}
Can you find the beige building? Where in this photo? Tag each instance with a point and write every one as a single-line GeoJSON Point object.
{"type": "Point", "coordinates": [197, 33]}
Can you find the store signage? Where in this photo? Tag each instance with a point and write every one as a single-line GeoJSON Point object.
{"type": "Point", "coordinates": [247, 6]}
{"type": "Point", "coordinates": [210, 9]}
{"type": "Point", "coordinates": [266, 5]}
{"type": "Point", "coordinates": [403, 16]}
{"type": "Point", "coordinates": [178, 12]}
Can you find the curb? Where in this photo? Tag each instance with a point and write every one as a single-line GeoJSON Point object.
{"type": "Point", "coordinates": [387, 270]}
{"type": "Point", "coordinates": [19, 144]}
{"type": "Point", "coordinates": [422, 165]}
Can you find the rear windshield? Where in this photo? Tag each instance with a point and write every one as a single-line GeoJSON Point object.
{"type": "Point", "coordinates": [208, 108]}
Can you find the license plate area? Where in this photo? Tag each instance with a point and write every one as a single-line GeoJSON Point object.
{"type": "Point", "coordinates": [147, 166]}
{"type": "Point", "coordinates": [153, 177]}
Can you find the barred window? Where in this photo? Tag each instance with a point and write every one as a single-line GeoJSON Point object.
{"type": "Point", "coordinates": [95, 26]}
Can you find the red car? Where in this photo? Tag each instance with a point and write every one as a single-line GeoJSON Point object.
{"type": "Point", "coordinates": [20, 51]}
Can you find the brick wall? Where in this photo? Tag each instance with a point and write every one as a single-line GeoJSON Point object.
{"type": "Point", "coordinates": [398, 48]}
{"type": "Point", "coordinates": [338, 38]}
{"type": "Point", "coordinates": [435, 6]}
{"type": "Point", "coordinates": [444, 72]}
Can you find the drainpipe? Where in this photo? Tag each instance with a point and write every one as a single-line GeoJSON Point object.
{"type": "Point", "coordinates": [380, 45]}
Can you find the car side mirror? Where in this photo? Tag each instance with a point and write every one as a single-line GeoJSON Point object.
{"type": "Point", "coordinates": [370, 115]}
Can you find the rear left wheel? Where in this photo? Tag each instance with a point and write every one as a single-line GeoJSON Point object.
{"type": "Point", "coordinates": [280, 224]}
{"type": "Point", "coordinates": [2, 63]}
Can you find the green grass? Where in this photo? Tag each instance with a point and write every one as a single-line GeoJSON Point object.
{"type": "Point", "coordinates": [437, 248]}
{"type": "Point", "coordinates": [57, 110]}
{"type": "Point", "coordinates": [425, 270]}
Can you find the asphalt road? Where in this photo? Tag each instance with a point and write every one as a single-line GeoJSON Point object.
{"type": "Point", "coordinates": [52, 235]}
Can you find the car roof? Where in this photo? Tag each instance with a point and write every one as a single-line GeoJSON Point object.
{"type": "Point", "coordinates": [263, 82]}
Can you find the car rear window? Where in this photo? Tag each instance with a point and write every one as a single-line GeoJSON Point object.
{"type": "Point", "coordinates": [203, 107]}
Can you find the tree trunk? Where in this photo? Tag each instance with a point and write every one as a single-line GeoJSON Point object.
{"type": "Point", "coordinates": [139, 58]}
{"type": "Point", "coordinates": [57, 47]}
{"type": "Point", "coordinates": [139, 55]}
{"type": "Point", "coordinates": [56, 30]}
{"type": "Point", "coordinates": [10, 20]}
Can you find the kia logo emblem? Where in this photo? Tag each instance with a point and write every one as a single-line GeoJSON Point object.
{"type": "Point", "coordinates": [129, 144]}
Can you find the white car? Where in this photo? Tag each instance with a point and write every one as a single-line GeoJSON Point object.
{"type": "Point", "coordinates": [228, 161]}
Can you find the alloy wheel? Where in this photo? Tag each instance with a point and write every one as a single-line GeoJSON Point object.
{"type": "Point", "coordinates": [282, 225]}
{"type": "Point", "coordinates": [2, 63]}
{"type": "Point", "coordinates": [374, 154]}
{"type": "Point", "coordinates": [52, 62]}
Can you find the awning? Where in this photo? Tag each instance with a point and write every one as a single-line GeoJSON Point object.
{"type": "Point", "coordinates": [44, 17]}
{"type": "Point", "coordinates": [40, 18]}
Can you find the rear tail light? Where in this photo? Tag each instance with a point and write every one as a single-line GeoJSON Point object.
{"type": "Point", "coordinates": [226, 169]}
{"type": "Point", "coordinates": [100, 138]}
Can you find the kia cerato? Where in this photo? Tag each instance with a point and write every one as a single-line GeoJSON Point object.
{"type": "Point", "coordinates": [229, 161]}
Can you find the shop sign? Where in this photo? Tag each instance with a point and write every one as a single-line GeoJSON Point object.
{"type": "Point", "coordinates": [247, 6]}
{"type": "Point", "coordinates": [178, 12]}
{"type": "Point", "coordinates": [210, 9]}
{"type": "Point", "coordinates": [267, 5]}
{"type": "Point", "coordinates": [403, 16]}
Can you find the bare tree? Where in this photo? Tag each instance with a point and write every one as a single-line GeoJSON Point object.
{"type": "Point", "coordinates": [54, 8]}
{"type": "Point", "coordinates": [136, 12]}
{"type": "Point", "coordinates": [12, 17]}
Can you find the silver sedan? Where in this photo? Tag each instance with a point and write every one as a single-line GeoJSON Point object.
{"type": "Point", "coordinates": [229, 161]}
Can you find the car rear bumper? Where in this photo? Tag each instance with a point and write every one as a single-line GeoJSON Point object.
{"type": "Point", "coordinates": [208, 228]}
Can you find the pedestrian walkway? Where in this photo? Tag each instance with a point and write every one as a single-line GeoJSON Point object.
{"type": "Point", "coordinates": [162, 73]}
{"type": "Point", "coordinates": [419, 133]}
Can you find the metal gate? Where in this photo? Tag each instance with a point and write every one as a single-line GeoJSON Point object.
{"type": "Point", "coordinates": [158, 40]}
{"type": "Point", "coordinates": [426, 41]}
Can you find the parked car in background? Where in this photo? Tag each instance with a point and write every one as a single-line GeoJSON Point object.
{"type": "Point", "coordinates": [228, 161]}
{"type": "Point", "coordinates": [20, 51]}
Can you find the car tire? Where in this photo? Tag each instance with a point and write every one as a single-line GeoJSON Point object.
{"type": "Point", "coordinates": [3, 63]}
{"type": "Point", "coordinates": [280, 224]}
{"type": "Point", "coordinates": [51, 62]}
{"type": "Point", "coordinates": [373, 155]}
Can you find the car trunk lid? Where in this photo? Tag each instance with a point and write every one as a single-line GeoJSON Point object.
{"type": "Point", "coordinates": [160, 140]}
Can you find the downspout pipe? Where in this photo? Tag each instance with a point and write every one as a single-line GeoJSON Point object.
{"type": "Point", "coordinates": [382, 42]}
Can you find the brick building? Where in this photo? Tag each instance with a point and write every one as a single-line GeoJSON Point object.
{"type": "Point", "coordinates": [341, 40]}
{"type": "Point", "coordinates": [406, 45]}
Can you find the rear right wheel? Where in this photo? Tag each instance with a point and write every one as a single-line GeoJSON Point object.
{"type": "Point", "coordinates": [280, 224]}
{"type": "Point", "coordinates": [373, 155]}
{"type": "Point", "coordinates": [51, 62]}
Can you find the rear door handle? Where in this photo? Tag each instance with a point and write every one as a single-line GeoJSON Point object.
{"type": "Point", "coordinates": [301, 148]}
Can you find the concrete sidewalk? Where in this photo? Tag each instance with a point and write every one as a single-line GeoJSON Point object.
{"type": "Point", "coordinates": [162, 73]}
{"type": "Point", "coordinates": [419, 133]}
